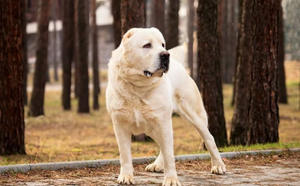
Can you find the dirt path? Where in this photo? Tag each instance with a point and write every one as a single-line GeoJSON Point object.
{"type": "Point", "coordinates": [250, 170]}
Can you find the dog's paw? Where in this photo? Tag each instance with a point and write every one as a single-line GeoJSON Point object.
{"type": "Point", "coordinates": [125, 179]}
{"type": "Point", "coordinates": [155, 167]}
{"type": "Point", "coordinates": [218, 168]}
{"type": "Point", "coordinates": [171, 182]}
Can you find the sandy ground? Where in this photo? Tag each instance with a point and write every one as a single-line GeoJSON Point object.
{"type": "Point", "coordinates": [281, 169]}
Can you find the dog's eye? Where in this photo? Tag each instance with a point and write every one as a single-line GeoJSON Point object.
{"type": "Point", "coordinates": [147, 45]}
{"type": "Point", "coordinates": [163, 45]}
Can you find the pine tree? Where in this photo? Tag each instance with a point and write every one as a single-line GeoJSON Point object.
{"type": "Point", "coordinates": [12, 126]}
{"type": "Point", "coordinates": [209, 69]}
{"type": "Point", "coordinates": [36, 107]}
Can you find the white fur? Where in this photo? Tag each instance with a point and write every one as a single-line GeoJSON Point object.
{"type": "Point", "coordinates": [140, 104]}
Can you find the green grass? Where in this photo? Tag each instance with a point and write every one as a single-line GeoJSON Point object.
{"type": "Point", "coordinates": [267, 146]}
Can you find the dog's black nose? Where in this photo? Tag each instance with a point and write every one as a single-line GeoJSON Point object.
{"type": "Point", "coordinates": [164, 59]}
{"type": "Point", "coordinates": [164, 55]}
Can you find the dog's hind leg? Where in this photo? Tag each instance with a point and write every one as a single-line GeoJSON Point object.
{"type": "Point", "coordinates": [190, 106]}
{"type": "Point", "coordinates": [158, 164]}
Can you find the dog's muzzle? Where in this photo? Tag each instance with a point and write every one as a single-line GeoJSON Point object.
{"type": "Point", "coordinates": [164, 60]}
{"type": "Point", "coordinates": [164, 65]}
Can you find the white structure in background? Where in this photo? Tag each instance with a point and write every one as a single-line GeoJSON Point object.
{"type": "Point", "coordinates": [32, 27]}
{"type": "Point", "coordinates": [103, 13]}
{"type": "Point", "coordinates": [105, 35]}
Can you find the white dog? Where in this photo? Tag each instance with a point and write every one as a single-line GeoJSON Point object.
{"type": "Point", "coordinates": [144, 88]}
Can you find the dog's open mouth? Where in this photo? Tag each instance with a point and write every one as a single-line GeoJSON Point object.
{"type": "Point", "coordinates": [159, 72]}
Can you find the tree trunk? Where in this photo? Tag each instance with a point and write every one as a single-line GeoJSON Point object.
{"type": "Point", "coordinates": [263, 111]}
{"type": "Point", "coordinates": [12, 125]}
{"type": "Point", "coordinates": [25, 60]}
{"type": "Point", "coordinates": [96, 82]}
{"type": "Point", "coordinates": [67, 51]}
{"type": "Point", "coordinates": [82, 40]}
{"type": "Point", "coordinates": [190, 28]}
{"type": "Point", "coordinates": [222, 32]}
{"type": "Point", "coordinates": [158, 15]}
{"type": "Point", "coordinates": [240, 14]}
{"type": "Point", "coordinates": [36, 107]}
{"type": "Point", "coordinates": [132, 14]}
{"type": "Point", "coordinates": [76, 52]}
{"type": "Point", "coordinates": [172, 24]}
{"type": "Point", "coordinates": [116, 11]}
{"type": "Point", "coordinates": [239, 125]}
{"type": "Point", "coordinates": [229, 40]}
{"type": "Point", "coordinates": [281, 72]}
{"type": "Point", "coordinates": [209, 68]}
{"type": "Point", "coordinates": [55, 40]}
{"type": "Point", "coordinates": [76, 63]}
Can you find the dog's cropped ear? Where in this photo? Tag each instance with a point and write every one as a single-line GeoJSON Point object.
{"type": "Point", "coordinates": [128, 34]}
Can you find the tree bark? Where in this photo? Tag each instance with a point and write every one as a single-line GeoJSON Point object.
{"type": "Point", "coordinates": [12, 35]}
{"type": "Point", "coordinates": [281, 70]}
{"type": "Point", "coordinates": [82, 39]}
{"type": "Point", "coordinates": [25, 60]}
{"type": "Point", "coordinates": [67, 51]}
{"type": "Point", "coordinates": [263, 111]}
{"type": "Point", "coordinates": [229, 40]}
{"type": "Point", "coordinates": [55, 41]}
{"type": "Point", "coordinates": [172, 24]}
{"type": "Point", "coordinates": [190, 27]}
{"type": "Point", "coordinates": [239, 33]}
{"type": "Point", "coordinates": [116, 11]}
{"type": "Point", "coordinates": [239, 124]}
{"type": "Point", "coordinates": [222, 32]}
{"type": "Point", "coordinates": [132, 14]}
{"type": "Point", "coordinates": [209, 68]}
{"type": "Point", "coordinates": [76, 52]}
{"type": "Point", "coordinates": [36, 107]}
{"type": "Point", "coordinates": [96, 81]}
{"type": "Point", "coordinates": [158, 15]}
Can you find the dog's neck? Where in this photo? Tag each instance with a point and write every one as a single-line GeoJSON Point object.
{"type": "Point", "coordinates": [134, 81]}
{"type": "Point", "coordinates": [136, 78]}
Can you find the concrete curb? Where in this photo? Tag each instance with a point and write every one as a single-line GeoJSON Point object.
{"type": "Point", "coordinates": [99, 163]}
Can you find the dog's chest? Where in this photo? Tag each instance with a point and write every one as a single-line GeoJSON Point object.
{"type": "Point", "coordinates": [138, 115]}
{"type": "Point", "coordinates": [141, 113]}
{"type": "Point", "coordinates": [139, 118]}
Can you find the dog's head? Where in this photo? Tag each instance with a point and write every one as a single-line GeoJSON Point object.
{"type": "Point", "coordinates": [144, 52]}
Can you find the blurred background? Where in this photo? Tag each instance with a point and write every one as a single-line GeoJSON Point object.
{"type": "Point", "coordinates": [104, 22]}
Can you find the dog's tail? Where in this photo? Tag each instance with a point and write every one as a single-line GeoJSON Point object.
{"type": "Point", "coordinates": [179, 54]}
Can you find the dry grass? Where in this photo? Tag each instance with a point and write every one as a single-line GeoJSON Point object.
{"type": "Point", "coordinates": [68, 136]}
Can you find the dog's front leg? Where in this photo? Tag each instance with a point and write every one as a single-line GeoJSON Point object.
{"type": "Point", "coordinates": [164, 137]}
{"type": "Point", "coordinates": [124, 142]}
